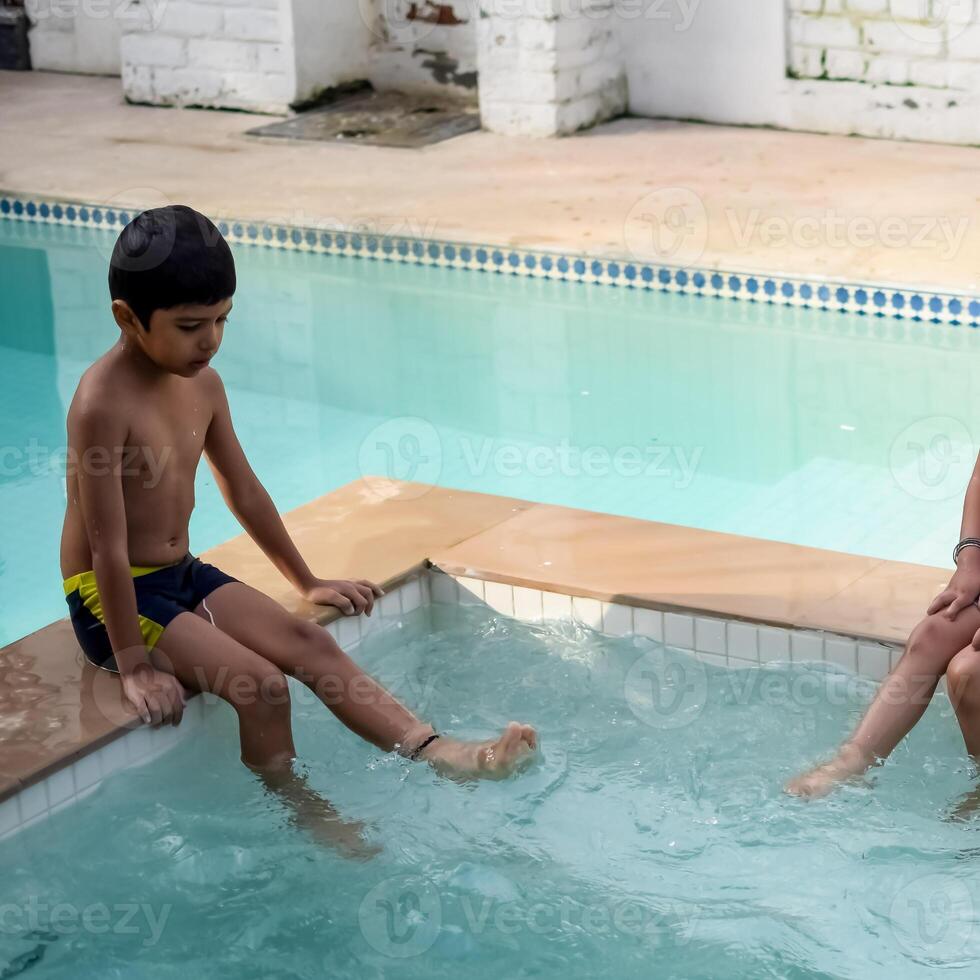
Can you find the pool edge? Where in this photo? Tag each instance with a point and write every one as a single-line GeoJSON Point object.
{"type": "Point", "coordinates": [413, 530]}
{"type": "Point", "coordinates": [922, 303]}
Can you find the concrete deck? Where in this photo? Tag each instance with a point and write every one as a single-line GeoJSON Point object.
{"type": "Point", "coordinates": [847, 208]}
{"type": "Point", "coordinates": [57, 708]}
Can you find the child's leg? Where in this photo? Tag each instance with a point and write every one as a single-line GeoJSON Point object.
{"type": "Point", "coordinates": [900, 702]}
{"type": "Point", "coordinates": [205, 658]}
{"type": "Point", "coordinates": [963, 681]}
{"type": "Point", "coordinates": [308, 652]}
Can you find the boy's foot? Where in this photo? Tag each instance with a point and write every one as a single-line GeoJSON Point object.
{"type": "Point", "coordinates": [849, 762]}
{"type": "Point", "coordinates": [483, 760]}
{"type": "Point", "coordinates": [343, 836]}
{"type": "Point", "coordinates": [966, 808]}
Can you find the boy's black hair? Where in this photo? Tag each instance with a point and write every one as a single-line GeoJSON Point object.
{"type": "Point", "coordinates": [169, 256]}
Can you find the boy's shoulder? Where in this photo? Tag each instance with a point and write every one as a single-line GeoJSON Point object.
{"type": "Point", "coordinates": [107, 389]}
{"type": "Point", "coordinates": [95, 389]}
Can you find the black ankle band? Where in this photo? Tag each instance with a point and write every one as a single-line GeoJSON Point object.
{"type": "Point", "coordinates": [419, 749]}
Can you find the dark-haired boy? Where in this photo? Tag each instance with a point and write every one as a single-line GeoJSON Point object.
{"type": "Point", "coordinates": [140, 603]}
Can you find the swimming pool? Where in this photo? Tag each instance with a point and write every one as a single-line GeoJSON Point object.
{"type": "Point", "coordinates": [834, 430]}
{"type": "Point", "coordinates": [650, 838]}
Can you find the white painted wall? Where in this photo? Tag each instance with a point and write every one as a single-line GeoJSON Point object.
{"type": "Point", "coordinates": [331, 40]}
{"type": "Point", "coordinates": [262, 55]}
{"type": "Point", "coordinates": [729, 62]}
{"type": "Point", "coordinates": [434, 51]}
{"type": "Point", "coordinates": [76, 36]}
{"type": "Point", "coordinates": [716, 60]}
{"type": "Point", "coordinates": [889, 68]}
{"type": "Point", "coordinates": [222, 54]}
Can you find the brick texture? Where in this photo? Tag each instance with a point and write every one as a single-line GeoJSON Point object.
{"type": "Point", "coordinates": [932, 44]}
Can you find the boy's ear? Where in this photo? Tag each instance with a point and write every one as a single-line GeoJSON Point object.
{"type": "Point", "coordinates": [125, 318]}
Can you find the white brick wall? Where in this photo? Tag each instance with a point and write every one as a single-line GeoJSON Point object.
{"type": "Point", "coordinates": [931, 44]}
{"type": "Point", "coordinates": [76, 35]}
{"type": "Point", "coordinates": [261, 55]}
{"type": "Point", "coordinates": [220, 53]}
{"type": "Point", "coordinates": [545, 73]}
{"type": "Point", "coordinates": [887, 68]}
{"type": "Point", "coordinates": [891, 69]}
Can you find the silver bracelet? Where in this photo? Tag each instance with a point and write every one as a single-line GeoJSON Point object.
{"type": "Point", "coordinates": [965, 543]}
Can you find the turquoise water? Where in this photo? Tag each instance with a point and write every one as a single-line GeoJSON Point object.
{"type": "Point", "coordinates": [836, 431]}
{"type": "Point", "coordinates": [651, 837]}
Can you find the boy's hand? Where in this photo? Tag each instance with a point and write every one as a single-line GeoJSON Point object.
{"type": "Point", "coordinates": [963, 589]}
{"type": "Point", "coordinates": [351, 597]}
{"type": "Point", "coordinates": [157, 696]}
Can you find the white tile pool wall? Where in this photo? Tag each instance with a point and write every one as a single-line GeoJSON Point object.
{"type": "Point", "coordinates": [713, 640]}
{"type": "Point", "coordinates": [144, 744]}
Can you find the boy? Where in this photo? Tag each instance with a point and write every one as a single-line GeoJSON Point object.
{"type": "Point", "coordinates": [140, 603]}
{"type": "Point", "coordinates": [946, 641]}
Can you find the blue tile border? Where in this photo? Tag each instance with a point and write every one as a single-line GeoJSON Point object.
{"type": "Point", "coordinates": [876, 300]}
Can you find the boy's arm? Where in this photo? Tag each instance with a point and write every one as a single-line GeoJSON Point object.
{"type": "Point", "coordinates": [93, 432]}
{"type": "Point", "coordinates": [97, 437]}
{"type": "Point", "coordinates": [254, 509]}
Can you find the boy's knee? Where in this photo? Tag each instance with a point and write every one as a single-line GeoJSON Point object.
{"type": "Point", "coordinates": [316, 649]}
{"type": "Point", "coordinates": [262, 690]}
{"type": "Point", "coordinates": [307, 634]}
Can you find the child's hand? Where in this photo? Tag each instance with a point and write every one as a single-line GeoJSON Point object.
{"type": "Point", "coordinates": [963, 589]}
{"type": "Point", "coordinates": [351, 597]}
{"type": "Point", "coordinates": [157, 696]}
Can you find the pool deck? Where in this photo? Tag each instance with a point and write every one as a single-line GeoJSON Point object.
{"type": "Point", "coordinates": [763, 200]}
{"type": "Point", "coordinates": [57, 708]}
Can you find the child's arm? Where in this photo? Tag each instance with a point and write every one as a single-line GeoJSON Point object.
{"type": "Point", "coordinates": [98, 438]}
{"type": "Point", "coordinates": [251, 504]}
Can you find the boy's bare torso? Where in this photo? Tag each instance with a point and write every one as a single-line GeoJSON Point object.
{"type": "Point", "coordinates": [166, 423]}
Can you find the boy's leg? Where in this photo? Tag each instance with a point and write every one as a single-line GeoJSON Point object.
{"type": "Point", "coordinates": [206, 659]}
{"type": "Point", "coordinates": [308, 652]}
{"type": "Point", "coordinates": [900, 702]}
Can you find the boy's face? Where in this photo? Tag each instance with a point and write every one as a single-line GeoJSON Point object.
{"type": "Point", "coordinates": [181, 339]}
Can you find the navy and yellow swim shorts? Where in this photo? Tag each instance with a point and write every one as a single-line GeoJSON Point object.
{"type": "Point", "coordinates": [162, 593]}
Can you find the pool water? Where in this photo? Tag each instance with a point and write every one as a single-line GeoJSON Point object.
{"type": "Point", "coordinates": [650, 838]}
{"type": "Point", "coordinates": [843, 432]}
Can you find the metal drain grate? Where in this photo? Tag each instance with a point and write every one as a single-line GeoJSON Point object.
{"type": "Point", "coordinates": [380, 119]}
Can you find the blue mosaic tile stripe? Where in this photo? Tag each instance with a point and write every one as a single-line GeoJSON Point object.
{"type": "Point", "coordinates": [865, 299]}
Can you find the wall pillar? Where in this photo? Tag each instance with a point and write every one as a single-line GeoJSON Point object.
{"type": "Point", "coordinates": [548, 67]}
